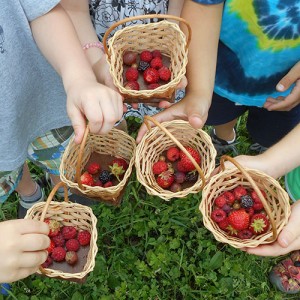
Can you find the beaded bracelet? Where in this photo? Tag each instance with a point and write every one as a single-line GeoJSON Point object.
{"type": "Point", "coordinates": [93, 45]}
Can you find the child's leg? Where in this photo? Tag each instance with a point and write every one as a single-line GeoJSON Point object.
{"type": "Point", "coordinates": [226, 131]}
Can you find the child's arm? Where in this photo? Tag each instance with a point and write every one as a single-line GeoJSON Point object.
{"type": "Point", "coordinates": [23, 248]}
{"type": "Point", "coordinates": [175, 7]}
{"type": "Point", "coordinates": [57, 39]}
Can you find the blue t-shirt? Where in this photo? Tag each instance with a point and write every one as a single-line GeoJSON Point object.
{"type": "Point", "coordinates": [259, 44]}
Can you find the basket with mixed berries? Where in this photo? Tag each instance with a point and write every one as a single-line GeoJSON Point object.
{"type": "Point", "coordinates": [73, 237]}
{"type": "Point", "coordinates": [174, 159]}
{"type": "Point", "coordinates": [244, 207]}
{"type": "Point", "coordinates": [147, 61]}
{"type": "Point", "coordinates": [100, 166]}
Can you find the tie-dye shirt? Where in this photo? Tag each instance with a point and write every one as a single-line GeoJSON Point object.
{"type": "Point", "coordinates": [259, 44]}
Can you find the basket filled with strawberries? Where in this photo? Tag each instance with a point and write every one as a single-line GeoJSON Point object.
{"type": "Point", "coordinates": [173, 159]}
{"type": "Point", "coordinates": [100, 166]}
{"type": "Point", "coordinates": [73, 237]}
{"type": "Point", "coordinates": [244, 207]}
{"type": "Point", "coordinates": [147, 61]}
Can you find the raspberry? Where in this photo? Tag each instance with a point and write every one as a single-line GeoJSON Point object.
{"type": "Point", "coordinates": [93, 168]}
{"type": "Point", "coordinates": [129, 58]}
{"type": "Point", "coordinates": [58, 254]}
{"type": "Point", "coordinates": [72, 245]}
{"type": "Point", "coordinates": [146, 56]}
{"type": "Point", "coordinates": [59, 240]}
{"type": "Point", "coordinates": [180, 167]}
{"type": "Point", "coordinates": [164, 73]}
{"type": "Point", "coordinates": [48, 262]}
{"type": "Point", "coordinates": [258, 205]}
{"type": "Point", "coordinates": [153, 86]}
{"type": "Point", "coordinates": [156, 53]}
{"type": "Point", "coordinates": [98, 183]}
{"type": "Point", "coordinates": [224, 224]}
{"type": "Point", "coordinates": [173, 154]}
{"type": "Point", "coordinates": [84, 237]}
{"type": "Point", "coordinates": [159, 167]}
{"type": "Point", "coordinates": [87, 178]}
{"type": "Point", "coordinates": [132, 85]}
{"type": "Point", "coordinates": [108, 184]}
{"type": "Point", "coordinates": [238, 192]}
{"type": "Point", "coordinates": [51, 247]}
{"type": "Point", "coordinates": [229, 197]}
{"type": "Point", "coordinates": [245, 234]}
{"type": "Point", "coordinates": [132, 74]}
{"type": "Point", "coordinates": [71, 257]}
{"type": "Point", "coordinates": [218, 215]}
{"type": "Point", "coordinates": [156, 63]}
{"type": "Point", "coordinates": [220, 201]}
{"type": "Point", "coordinates": [151, 75]}
{"type": "Point", "coordinates": [69, 232]}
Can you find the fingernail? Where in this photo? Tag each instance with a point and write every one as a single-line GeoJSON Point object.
{"type": "Point", "coordinates": [280, 87]}
{"type": "Point", "coordinates": [284, 242]}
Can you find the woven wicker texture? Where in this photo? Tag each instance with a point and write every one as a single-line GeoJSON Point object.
{"type": "Point", "coordinates": [165, 36]}
{"type": "Point", "coordinates": [68, 214]}
{"type": "Point", "coordinates": [116, 143]}
{"type": "Point", "coordinates": [276, 203]}
{"type": "Point", "coordinates": [162, 137]}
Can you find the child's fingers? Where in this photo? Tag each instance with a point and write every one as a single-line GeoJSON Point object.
{"type": "Point", "coordinates": [78, 122]}
{"type": "Point", "coordinates": [289, 78]}
{"type": "Point", "coordinates": [26, 226]}
{"type": "Point", "coordinates": [32, 259]}
{"type": "Point", "coordinates": [34, 242]}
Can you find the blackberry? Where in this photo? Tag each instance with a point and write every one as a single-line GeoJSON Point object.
{"type": "Point", "coordinates": [143, 66]}
{"type": "Point", "coordinates": [105, 176]}
{"type": "Point", "coordinates": [246, 201]}
{"type": "Point", "coordinates": [191, 176]}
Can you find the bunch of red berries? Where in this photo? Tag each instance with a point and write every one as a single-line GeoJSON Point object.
{"type": "Point", "coordinates": [175, 168]}
{"type": "Point", "coordinates": [94, 176]}
{"type": "Point", "coordinates": [240, 213]}
{"type": "Point", "coordinates": [65, 241]}
{"type": "Point", "coordinates": [150, 65]}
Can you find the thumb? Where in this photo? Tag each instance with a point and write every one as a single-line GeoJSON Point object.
{"type": "Point", "coordinates": [292, 230]}
{"type": "Point", "coordinates": [289, 78]}
{"type": "Point", "coordinates": [196, 121]}
{"type": "Point", "coordinates": [78, 123]}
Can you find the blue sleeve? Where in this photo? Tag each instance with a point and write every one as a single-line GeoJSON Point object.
{"type": "Point", "coordinates": [209, 1]}
{"type": "Point", "coordinates": [36, 8]}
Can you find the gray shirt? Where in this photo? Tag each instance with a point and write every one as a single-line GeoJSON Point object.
{"type": "Point", "coordinates": [32, 97]}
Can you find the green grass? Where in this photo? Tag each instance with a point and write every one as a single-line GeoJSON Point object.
{"type": "Point", "coordinates": [153, 249]}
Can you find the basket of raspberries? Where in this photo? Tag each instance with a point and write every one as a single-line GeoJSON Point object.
{"type": "Point", "coordinates": [147, 61]}
{"type": "Point", "coordinates": [244, 207]}
{"type": "Point", "coordinates": [173, 159]}
{"type": "Point", "coordinates": [100, 166]}
{"type": "Point", "coordinates": [73, 237]}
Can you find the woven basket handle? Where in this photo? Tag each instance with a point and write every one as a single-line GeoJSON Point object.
{"type": "Point", "coordinates": [152, 16]}
{"type": "Point", "coordinates": [256, 189]}
{"type": "Point", "coordinates": [171, 136]}
{"type": "Point", "coordinates": [80, 154]}
{"type": "Point", "coordinates": [49, 199]}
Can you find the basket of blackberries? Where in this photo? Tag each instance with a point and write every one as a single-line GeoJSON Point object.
{"type": "Point", "coordinates": [244, 207]}
{"type": "Point", "coordinates": [73, 237]}
{"type": "Point", "coordinates": [99, 168]}
{"type": "Point", "coordinates": [174, 159]}
{"type": "Point", "coordinates": [147, 61]}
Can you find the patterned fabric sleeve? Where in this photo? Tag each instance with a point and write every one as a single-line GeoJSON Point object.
{"type": "Point", "coordinates": [209, 1]}
{"type": "Point", "coordinates": [36, 8]}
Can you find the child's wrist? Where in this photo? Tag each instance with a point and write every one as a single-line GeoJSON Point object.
{"type": "Point", "coordinates": [93, 45]}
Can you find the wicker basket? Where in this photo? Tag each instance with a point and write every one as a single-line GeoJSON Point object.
{"type": "Point", "coordinates": [165, 36]}
{"type": "Point", "coordinates": [276, 203]}
{"type": "Point", "coordinates": [162, 137]}
{"type": "Point", "coordinates": [116, 143]}
{"type": "Point", "coordinates": [68, 214]}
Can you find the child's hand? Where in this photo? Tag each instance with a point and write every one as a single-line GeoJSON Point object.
{"type": "Point", "coordinates": [293, 99]}
{"type": "Point", "coordinates": [23, 248]}
{"type": "Point", "coordinates": [100, 105]}
{"type": "Point", "coordinates": [189, 109]}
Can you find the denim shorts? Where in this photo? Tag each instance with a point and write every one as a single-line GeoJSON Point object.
{"type": "Point", "coordinates": [45, 152]}
{"type": "Point", "coordinates": [264, 127]}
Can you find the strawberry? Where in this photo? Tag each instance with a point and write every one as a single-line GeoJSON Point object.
{"type": "Point", "coordinates": [156, 63]}
{"type": "Point", "coordinates": [151, 75]}
{"type": "Point", "coordinates": [132, 85]}
{"type": "Point", "coordinates": [129, 58]}
{"type": "Point", "coordinates": [229, 197]}
{"type": "Point", "coordinates": [156, 53]}
{"type": "Point", "coordinates": [218, 215]}
{"type": "Point", "coordinates": [121, 162]}
{"type": "Point", "coordinates": [146, 56]}
{"type": "Point", "coordinates": [98, 183]}
{"type": "Point", "coordinates": [58, 254]}
{"type": "Point", "coordinates": [118, 167]}
{"type": "Point", "coordinates": [84, 237]}
{"type": "Point", "coordinates": [224, 224]}
{"type": "Point", "coordinates": [54, 227]}
{"type": "Point", "coordinates": [71, 257]}
{"type": "Point", "coordinates": [108, 184]}
{"type": "Point", "coordinates": [239, 219]}
{"type": "Point", "coordinates": [87, 179]}
{"type": "Point", "coordinates": [239, 191]}
{"type": "Point", "coordinates": [159, 167]}
{"type": "Point", "coordinates": [51, 247]}
{"type": "Point", "coordinates": [69, 232]}
{"type": "Point", "coordinates": [220, 201]}
{"type": "Point", "coordinates": [59, 240]}
{"type": "Point", "coordinates": [48, 262]}
{"type": "Point", "coordinates": [186, 162]}
{"type": "Point", "coordinates": [181, 167]}
{"type": "Point", "coordinates": [93, 168]}
{"type": "Point", "coordinates": [164, 73]}
{"type": "Point", "coordinates": [165, 179]}
{"type": "Point", "coordinates": [132, 74]}
{"type": "Point", "coordinates": [153, 86]}
{"type": "Point", "coordinates": [259, 223]}
{"type": "Point", "coordinates": [72, 245]}
{"type": "Point", "coordinates": [245, 234]}
{"type": "Point", "coordinates": [173, 154]}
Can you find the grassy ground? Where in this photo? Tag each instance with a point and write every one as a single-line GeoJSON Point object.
{"type": "Point", "coordinates": [152, 249]}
